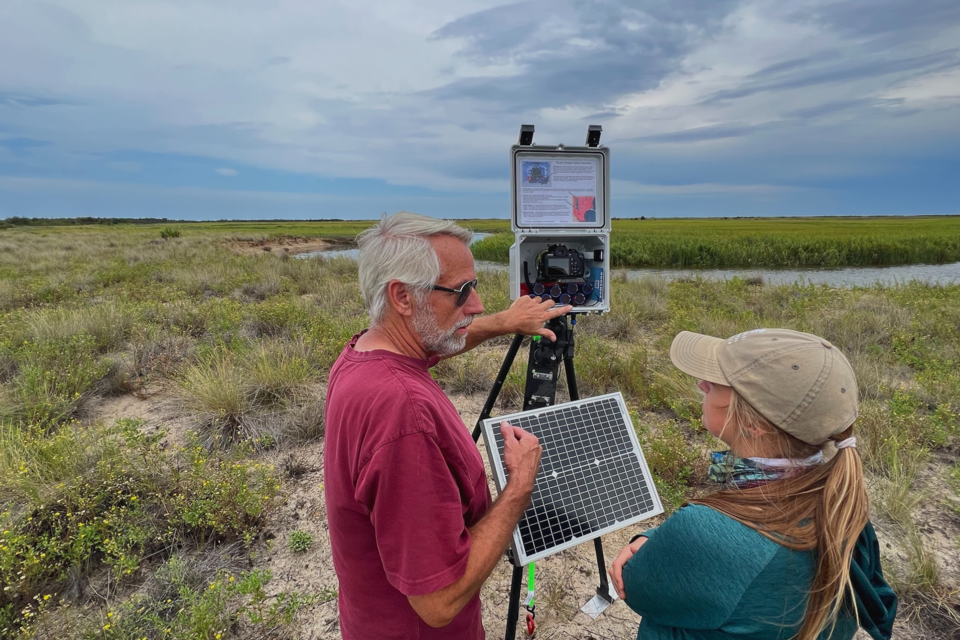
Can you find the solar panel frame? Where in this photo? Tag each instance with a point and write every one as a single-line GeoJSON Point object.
{"type": "Point", "coordinates": [624, 473]}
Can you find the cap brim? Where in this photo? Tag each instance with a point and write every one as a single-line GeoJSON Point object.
{"type": "Point", "coordinates": [696, 355]}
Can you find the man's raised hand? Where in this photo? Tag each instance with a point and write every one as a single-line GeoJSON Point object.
{"type": "Point", "coordinates": [527, 316]}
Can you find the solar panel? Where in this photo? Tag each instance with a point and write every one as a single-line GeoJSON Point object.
{"type": "Point", "coordinates": [592, 480]}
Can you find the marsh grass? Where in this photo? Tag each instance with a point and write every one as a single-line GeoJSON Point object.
{"type": "Point", "coordinates": [108, 324]}
{"type": "Point", "coordinates": [248, 341]}
{"type": "Point", "coordinates": [783, 242]}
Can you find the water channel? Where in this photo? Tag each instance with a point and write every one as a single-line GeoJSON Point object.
{"type": "Point", "coordinates": [942, 274]}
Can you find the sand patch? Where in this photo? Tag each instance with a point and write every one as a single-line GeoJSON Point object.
{"type": "Point", "coordinates": [283, 244]}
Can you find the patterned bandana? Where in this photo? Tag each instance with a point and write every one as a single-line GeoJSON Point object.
{"type": "Point", "coordinates": [744, 473]}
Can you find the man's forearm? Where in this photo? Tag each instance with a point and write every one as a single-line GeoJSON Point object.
{"type": "Point", "coordinates": [488, 540]}
{"type": "Point", "coordinates": [485, 327]}
{"type": "Point", "coordinates": [526, 315]}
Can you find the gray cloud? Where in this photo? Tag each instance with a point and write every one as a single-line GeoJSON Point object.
{"type": "Point", "coordinates": [587, 52]}
{"type": "Point", "coordinates": [841, 106]}
{"type": "Point", "coordinates": [875, 17]}
{"type": "Point", "coordinates": [19, 100]}
{"type": "Point", "coordinates": [806, 72]}
{"type": "Point", "coordinates": [715, 132]}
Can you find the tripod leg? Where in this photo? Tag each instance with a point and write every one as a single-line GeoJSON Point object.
{"type": "Point", "coordinates": [498, 384]}
{"type": "Point", "coordinates": [513, 610]}
{"type": "Point", "coordinates": [604, 589]}
{"type": "Point", "coordinates": [571, 378]}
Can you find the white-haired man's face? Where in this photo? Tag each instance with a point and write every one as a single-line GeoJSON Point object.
{"type": "Point", "coordinates": [438, 321]}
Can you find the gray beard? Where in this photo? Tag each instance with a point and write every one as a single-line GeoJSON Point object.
{"type": "Point", "coordinates": [435, 340]}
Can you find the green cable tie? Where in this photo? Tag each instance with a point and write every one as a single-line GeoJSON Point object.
{"type": "Point", "coordinates": [531, 572]}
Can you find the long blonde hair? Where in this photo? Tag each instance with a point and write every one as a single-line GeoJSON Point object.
{"type": "Point", "coordinates": [823, 509]}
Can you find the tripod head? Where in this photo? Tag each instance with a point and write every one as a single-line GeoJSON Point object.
{"type": "Point", "coordinates": [543, 367]}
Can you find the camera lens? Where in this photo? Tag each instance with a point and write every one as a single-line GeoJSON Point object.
{"type": "Point", "coordinates": [579, 299]}
{"type": "Point", "coordinates": [565, 298]}
{"type": "Point", "coordinates": [538, 288]}
{"type": "Point", "coordinates": [572, 288]}
{"type": "Point", "coordinates": [555, 291]}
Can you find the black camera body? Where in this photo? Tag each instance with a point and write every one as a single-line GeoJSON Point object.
{"type": "Point", "coordinates": [558, 262]}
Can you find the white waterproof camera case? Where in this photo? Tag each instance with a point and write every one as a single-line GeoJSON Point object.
{"type": "Point", "coordinates": [560, 205]}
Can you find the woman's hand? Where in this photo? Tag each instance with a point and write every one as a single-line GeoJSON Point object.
{"type": "Point", "coordinates": [616, 569]}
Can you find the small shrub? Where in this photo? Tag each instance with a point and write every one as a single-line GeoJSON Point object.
{"type": "Point", "coordinates": [54, 376]}
{"type": "Point", "coordinates": [277, 317]}
{"type": "Point", "coordinates": [169, 232]}
{"type": "Point", "coordinates": [226, 499]}
{"type": "Point", "coordinates": [113, 497]}
{"type": "Point", "coordinates": [200, 606]}
{"type": "Point", "coordinates": [300, 541]}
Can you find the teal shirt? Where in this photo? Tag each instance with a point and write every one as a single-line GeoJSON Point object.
{"type": "Point", "coordinates": [704, 576]}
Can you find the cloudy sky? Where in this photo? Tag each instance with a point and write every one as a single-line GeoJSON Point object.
{"type": "Point", "coordinates": [319, 109]}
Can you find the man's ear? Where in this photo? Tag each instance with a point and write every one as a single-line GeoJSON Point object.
{"type": "Point", "coordinates": [400, 298]}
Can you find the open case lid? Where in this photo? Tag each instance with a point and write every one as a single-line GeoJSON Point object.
{"type": "Point", "coordinates": [557, 188]}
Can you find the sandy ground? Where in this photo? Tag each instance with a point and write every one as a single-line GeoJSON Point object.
{"type": "Point", "coordinates": [285, 244]}
{"type": "Point", "coordinates": [565, 581]}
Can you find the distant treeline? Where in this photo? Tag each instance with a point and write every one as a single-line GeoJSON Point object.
{"type": "Point", "coordinates": [17, 221]}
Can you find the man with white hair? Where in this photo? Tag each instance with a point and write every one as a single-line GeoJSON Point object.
{"type": "Point", "coordinates": [413, 529]}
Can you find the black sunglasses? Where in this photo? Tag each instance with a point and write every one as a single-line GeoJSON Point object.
{"type": "Point", "coordinates": [462, 293]}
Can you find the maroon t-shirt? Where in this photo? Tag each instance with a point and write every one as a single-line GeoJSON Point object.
{"type": "Point", "coordinates": [403, 481]}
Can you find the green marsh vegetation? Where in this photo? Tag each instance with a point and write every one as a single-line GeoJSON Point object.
{"type": "Point", "coordinates": [115, 530]}
{"type": "Point", "coordinates": [770, 242]}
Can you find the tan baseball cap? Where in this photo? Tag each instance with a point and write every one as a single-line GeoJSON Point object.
{"type": "Point", "coordinates": [797, 381]}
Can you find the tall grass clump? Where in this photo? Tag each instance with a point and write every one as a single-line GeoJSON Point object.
{"type": "Point", "coordinates": [218, 390]}
{"type": "Point", "coordinates": [261, 396]}
{"type": "Point", "coordinates": [278, 370]}
{"type": "Point", "coordinates": [107, 324]}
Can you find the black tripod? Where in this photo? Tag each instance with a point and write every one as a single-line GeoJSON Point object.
{"type": "Point", "coordinates": [543, 369]}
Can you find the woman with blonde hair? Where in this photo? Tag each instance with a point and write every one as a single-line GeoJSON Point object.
{"type": "Point", "coordinates": [785, 549]}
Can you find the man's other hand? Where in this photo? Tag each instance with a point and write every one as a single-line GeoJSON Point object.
{"type": "Point", "coordinates": [521, 456]}
{"type": "Point", "coordinates": [527, 316]}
